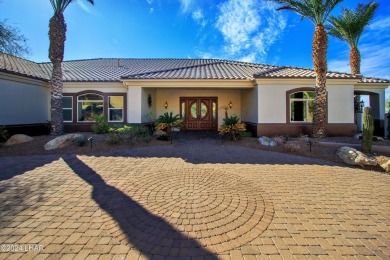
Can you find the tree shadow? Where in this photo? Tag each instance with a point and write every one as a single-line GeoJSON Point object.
{"type": "Point", "coordinates": [148, 233]}
{"type": "Point", "coordinates": [16, 165]}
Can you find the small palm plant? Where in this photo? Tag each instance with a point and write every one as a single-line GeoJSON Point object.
{"type": "Point", "coordinates": [167, 121]}
{"type": "Point", "coordinates": [232, 126]}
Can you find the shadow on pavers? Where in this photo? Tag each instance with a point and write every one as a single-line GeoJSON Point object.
{"type": "Point", "coordinates": [147, 232]}
{"type": "Point", "coordinates": [15, 165]}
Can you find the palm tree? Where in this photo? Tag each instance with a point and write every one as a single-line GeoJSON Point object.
{"type": "Point", "coordinates": [57, 36]}
{"type": "Point", "coordinates": [349, 27]}
{"type": "Point", "coordinates": [317, 11]}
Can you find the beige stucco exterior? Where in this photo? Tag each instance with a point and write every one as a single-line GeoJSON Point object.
{"type": "Point", "coordinates": [261, 101]}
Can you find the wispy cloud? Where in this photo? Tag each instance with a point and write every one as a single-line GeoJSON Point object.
{"type": "Point", "coordinates": [249, 28]}
{"type": "Point", "coordinates": [186, 5]}
{"type": "Point", "coordinates": [85, 7]}
{"type": "Point", "coordinates": [198, 17]}
{"type": "Point", "coordinates": [374, 49]}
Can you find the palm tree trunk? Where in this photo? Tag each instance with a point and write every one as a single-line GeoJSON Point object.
{"type": "Point", "coordinates": [354, 60]}
{"type": "Point", "coordinates": [57, 35]}
{"type": "Point", "coordinates": [320, 47]}
{"type": "Point", "coordinates": [57, 125]}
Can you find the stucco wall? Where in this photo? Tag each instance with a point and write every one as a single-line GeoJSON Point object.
{"type": "Point", "coordinates": [340, 104]}
{"type": "Point", "coordinates": [272, 103]}
{"type": "Point", "coordinates": [107, 87]}
{"type": "Point", "coordinates": [145, 106]}
{"type": "Point", "coordinates": [172, 97]}
{"type": "Point", "coordinates": [24, 103]}
{"type": "Point", "coordinates": [249, 104]}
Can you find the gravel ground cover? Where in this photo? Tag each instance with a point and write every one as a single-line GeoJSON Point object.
{"type": "Point", "coordinates": [99, 145]}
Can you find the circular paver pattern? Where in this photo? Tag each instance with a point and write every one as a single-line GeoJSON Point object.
{"type": "Point", "coordinates": [190, 208]}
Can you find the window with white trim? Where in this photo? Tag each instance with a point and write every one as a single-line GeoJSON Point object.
{"type": "Point", "coordinates": [67, 109]}
{"type": "Point", "coordinates": [88, 106]}
{"type": "Point", "coordinates": [302, 106]}
{"type": "Point", "coordinates": [115, 108]}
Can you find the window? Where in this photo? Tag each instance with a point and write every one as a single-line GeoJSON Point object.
{"type": "Point", "coordinates": [115, 109]}
{"type": "Point", "coordinates": [89, 105]}
{"type": "Point", "coordinates": [302, 106]}
{"type": "Point", "coordinates": [67, 109]}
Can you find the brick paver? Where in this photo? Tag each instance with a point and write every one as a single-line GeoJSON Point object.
{"type": "Point", "coordinates": [194, 199]}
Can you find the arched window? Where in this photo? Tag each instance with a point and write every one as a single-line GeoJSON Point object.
{"type": "Point", "coordinates": [302, 106]}
{"type": "Point", "coordinates": [88, 106]}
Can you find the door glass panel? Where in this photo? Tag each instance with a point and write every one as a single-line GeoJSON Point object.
{"type": "Point", "coordinates": [193, 110]}
{"type": "Point", "coordinates": [214, 111]}
{"type": "Point", "coordinates": [183, 110]}
{"type": "Point", "coordinates": [203, 110]}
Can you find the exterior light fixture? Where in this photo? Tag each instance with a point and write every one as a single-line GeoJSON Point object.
{"type": "Point", "coordinates": [230, 104]}
{"type": "Point", "coordinates": [166, 105]}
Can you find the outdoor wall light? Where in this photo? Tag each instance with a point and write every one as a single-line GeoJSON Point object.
{"type": "Point", "coordinates": [166, 105]}
{"type": "Point", "coordinates": [230, 104]}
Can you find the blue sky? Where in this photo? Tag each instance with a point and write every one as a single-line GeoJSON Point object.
{"type": "Point", "coordinates": [247, 30]}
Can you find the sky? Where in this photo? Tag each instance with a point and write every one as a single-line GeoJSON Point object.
{"type": "Point", "coordinates": [245, 30]}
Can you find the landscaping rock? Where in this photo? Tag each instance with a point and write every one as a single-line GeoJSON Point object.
{"type": "Point", "coordinates": [292, 147]}
{"type": "Point", "coordinates": [279, 139]}
{"type": "Point", "coordinates": [159, 133]}
{"type": "Point", "coordinates": [60, 141]}
{"type": "Point", "coordinates": [354, 157]}
{"type": "Point", "coordinates": [18, 139]}
{"type": "Point", "coordinates": [266, 141]}
{"type": "Point", "coordinates": [386, 166]}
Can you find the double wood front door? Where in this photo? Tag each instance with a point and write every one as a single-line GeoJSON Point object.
{"type": "Point", "coordinates": [199, 113]}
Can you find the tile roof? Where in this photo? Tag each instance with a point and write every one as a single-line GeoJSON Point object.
{"type": "Point", "coordinates": [22, 67]}
{"type": "Point", "coordinates": [374, 80]}
{"type": "Point", "coordinates": [110, 69]}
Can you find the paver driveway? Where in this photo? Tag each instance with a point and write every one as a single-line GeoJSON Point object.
{"type": "Point", "coordinates": [195, 199]}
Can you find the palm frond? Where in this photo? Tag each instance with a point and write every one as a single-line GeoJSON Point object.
{"type": "Point", "coordinates": [350, 25]}
{"type": "Point", "coordinates": [317, 11]}
{"type": "Point", "coordinates": [59, 6]}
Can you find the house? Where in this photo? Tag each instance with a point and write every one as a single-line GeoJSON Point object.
{"type": "Point", "coordinates": [272, 100]}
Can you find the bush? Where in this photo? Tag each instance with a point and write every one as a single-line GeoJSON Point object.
{"type": "Point", "coordinates": [81, 140]}
{"type": "Point", "coordinates": [245, 134]}
{"type": "Point", "coordinates": [3, 134]}
{"type": "Point", "coordinates": [113, 138]}
{"type": "Point", "coordinates": [232, 126]}
{"type": "Point", "coordinates": [168, 121]}
{"type": "Point", "coordinates": [128, 133]}
{"type": "Point", "coordinates": [101, 126]}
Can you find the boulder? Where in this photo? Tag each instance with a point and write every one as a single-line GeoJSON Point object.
{"type": "Point", "coordinates": [266, 141]}
{"type": "Point", "coordinates": [18, 139]}
{"type": "Point", "coordinates": [60, 141]}
{"type": "Point", "coordinates": [354, 157]}
{"type": "Point", "coordinates": [386, 166]}
{"type": "Point", "coordinates": [159, 133]}
{"type": "Point", "coordinates": [292, 147]}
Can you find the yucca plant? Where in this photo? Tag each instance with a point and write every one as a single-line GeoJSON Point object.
{"type": "Point", "coordinates": [232, 126]}
{"type": "Point", "coordinates": [167, 121]}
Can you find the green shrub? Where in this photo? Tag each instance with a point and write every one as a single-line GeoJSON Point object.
{"type": "Point", "coordinates": [101, 126]}
{"type": "Point", "coordinates": [113, 138]}
{"type": "Point", "coordinates": [232, 126]}
{"type": "Point", "coordinates": [81, 140]}
{"type": "Point", "coordinates": [168, 121]}
{"type": "Point", "coordinates": [3, 134]}
{"type": "Point", "coordinates": [128, 133]}
{"type": "Point", "coordinates": [245, 134]}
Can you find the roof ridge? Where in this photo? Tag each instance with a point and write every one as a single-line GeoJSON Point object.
{"type": "Point", "coordinates": [275, 69]}
{"type": "Point", "coordinates": [172, 69]}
